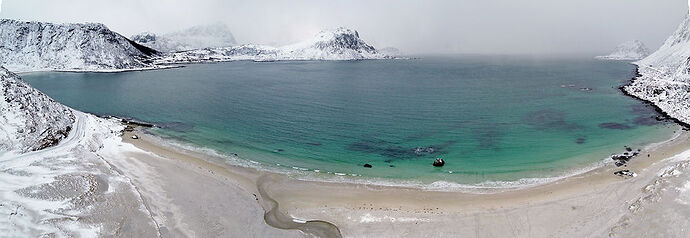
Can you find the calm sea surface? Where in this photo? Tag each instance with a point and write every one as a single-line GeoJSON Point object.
{"type": "Point", "coordinates": [491, 118]}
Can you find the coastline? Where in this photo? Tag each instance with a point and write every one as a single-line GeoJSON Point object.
{"type": "Point", "coordinates": [658, 109]}
{"type": "Point", "coordinates": [370, 210]}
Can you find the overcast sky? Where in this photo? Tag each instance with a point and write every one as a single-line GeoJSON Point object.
{"type": "Point", "coordinates": [414, 26]}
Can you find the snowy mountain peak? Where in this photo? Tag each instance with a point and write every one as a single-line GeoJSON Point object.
{"type": "Point", "coordinates": [631, 50]}
{"type": "Point", "coordinates": [337, 41]}
{"type": "Point", "coordinates": [197, 37]}
{"type": "Point", "coordinates": [29, 120]}
{"type": "Point", "coordinates": [40, 46]}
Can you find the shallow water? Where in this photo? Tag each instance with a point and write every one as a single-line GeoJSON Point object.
{"type": "Point", "coordinates": [491, 118]}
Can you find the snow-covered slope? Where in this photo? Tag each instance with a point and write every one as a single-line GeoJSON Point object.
{"type": "Point", "coordinates": [38, 46]}
{"type": "Point", "coordinates": [631, 50]}
{"type": "Point", "coordinates": [53, 181]}
{"type": "Point", "coordinates": [29, 120]}
{"type": "Point", "coordinates": [338, 44]}
{"type": "Point", "coordinates": [198, 37]}
{"type": "Point", "coordinates": [664, 76]}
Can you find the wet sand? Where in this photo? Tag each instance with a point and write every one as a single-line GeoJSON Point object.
{"type": "Point", "coordinates": [596, 203]}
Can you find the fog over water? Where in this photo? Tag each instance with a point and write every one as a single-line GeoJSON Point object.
{"type": "Point", "coordinates": [418, 27]}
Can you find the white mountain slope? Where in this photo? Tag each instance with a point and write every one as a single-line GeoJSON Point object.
{"type": "Point", "coordinates": [30, 120]}
{"type": "Point", "coordinates": [631, 50]}
{"type": "Point", "coordinates": [198, 37]}
{"type": "Point", "coordinates": [664, 76]}
{"type": "Point", "coordinates": [53, 181]}
{"type": "Point", "coordinates": [338, 44]}
{"type": "Point", "coordinates": [38, 46]}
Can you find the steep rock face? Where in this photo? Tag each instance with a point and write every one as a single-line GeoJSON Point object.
{"type": "Point", "coordinates": [39, 46]}
{"type": "Point", "coordinates": [631, 50]}
{"type": "Point", "coordinates": [340, 44]}
{"type": "Point", "coordinates": [198, 37]}
{"type": "Point", "coordinates": [29, 120]}
{"type": "Point", "coordinates": [664, 76]}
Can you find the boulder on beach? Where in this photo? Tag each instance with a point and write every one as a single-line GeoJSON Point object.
{"type": "Point", "coordinates": [368, 166]}
{"type": "Point", "coordinates": [625, 173]}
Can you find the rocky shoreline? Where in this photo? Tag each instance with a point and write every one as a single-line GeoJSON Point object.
{"type": "Point", "coordinates": [664, 115]}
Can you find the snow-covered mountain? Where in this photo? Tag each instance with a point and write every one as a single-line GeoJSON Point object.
{"type": "Point", "coordinates": [198, 37]}
{"type": "Point", "coordinates": [38, 46]}
{"type": "Point", "coordinates": [338, 44]}
{"type": "Point", "coordinates": [29, 120]}
{"type": "Point", "coordinates": [391, 51]}
{"type": "Point", "coordinates": [664, 76]}
{"type": "Point", "coordinates": [631, 50]}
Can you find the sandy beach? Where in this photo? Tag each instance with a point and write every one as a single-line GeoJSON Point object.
{"type": "Point", "coordinates": [186, 190]}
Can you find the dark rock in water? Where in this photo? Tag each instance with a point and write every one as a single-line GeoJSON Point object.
{"type": "Point", "coordinates": [392, 166]}
{"type": "Point", "coordinates": [580, 140]}
{"type": "Point", "coordinates": [367, 166]}
{"type": "Point", "coordinates": [628, 149]}
{"type": "Point", "coordinates": [439, 162]}
{"type": "Point", "coordinates": [615, 126]}
{"type": "Point", "coordinates": [625, 173]}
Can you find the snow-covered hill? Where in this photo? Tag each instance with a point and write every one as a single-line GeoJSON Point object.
{"type": "Point", "coordinates": [338, 44]}
{"type": "Point", "coordinates": [391, 51]}
{"type": "Point", "coordinates": [38, 46]}
{"type": "Point", "coordinates": [29, 120]}
{"type": "Point", "coordinates": [198, 37]}
{"type": "Point", "coordinates": [664, 76]}
{"type": "Point", "coordinates": [631, 50]}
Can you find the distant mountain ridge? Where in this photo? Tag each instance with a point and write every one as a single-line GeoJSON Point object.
{"type": "Point", "coordinates": [631, 50]}
{"type": "Point", "coordinates": [338, 44]}
{"type": "Point", "coordinates": [92, 47]}
{"type": "Point", "coordinates": [39, 46]}
{"type": "Point", "coordinates": [197, 37]}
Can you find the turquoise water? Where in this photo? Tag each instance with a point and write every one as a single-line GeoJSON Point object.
{"type": "Point", "coordinates": [490, 117]}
